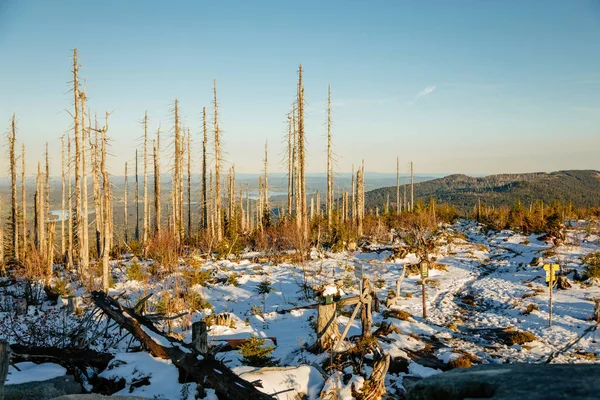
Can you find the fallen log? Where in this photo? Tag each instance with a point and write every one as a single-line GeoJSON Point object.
{"type": "Point", "coordinates": [74, 360]}
{"type": "Point", "coordinates": [345, 301]}
{"type": "Point", "coordinates": [205, 370]}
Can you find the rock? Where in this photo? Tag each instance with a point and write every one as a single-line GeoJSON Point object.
{"type": "Point", "coordinates": [512, 381]}
{"type": "Point", "coordinates": [43, 390]}
{"type": "Point", "coordinates": [94, 396]}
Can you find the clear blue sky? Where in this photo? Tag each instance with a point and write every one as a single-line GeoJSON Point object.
{"type": "Point", "coordinates": [455, 86]}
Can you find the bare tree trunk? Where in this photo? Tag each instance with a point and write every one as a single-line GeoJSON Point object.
{"type": "Point", "coordinates": [204, 166]}
{"type": "Point", "coordinates": [398, 186]}
{"type": "Point", "coordinates": [217, 210]}
{"type": "Point", "coordinates": [290, 167]}
{"type": "Point", "coordinates": [157, 205]}
{"type": "Point", "coordinates": [23, 206]}
{"type": "Point", "coordinates": [189, 184]}
{"type": "Point", "coordinates": [301, 155]}
{"type": "Point", "coordinates": [329, 164]}
{"type": "Point", "coordinates": [353, 195]}
{"type": "Point", "coordinates": [267, 207]}
{"type": "Point", "coordinates": [85, 132]}
{"type": "Point", "coordinates": [63, 233]}
{"type": "Point", "coordinates": [70, 201]}
{"type": "Point", "coordinates": [98, 212]}
{"type": "Point", "coordinates": [360, 210]}
{"type": "Point", "coordinates": [212, 208]}
{"type": "Point", "coordinates": [12, 138]}
{"type": "Point", "coordinates": [412, 188]}
{"type": "Point", "coordinates": [38, 209]}
{"type": "Point", "coordinates": [137, 199]}
{"type": "Point", "coordinates": [2, 264]}
{"type": "Point", "coordinates": [76, 121]}
{"type": "Point", "coordinates": [50, 251]}
{"type": "Point", "coordinates": [45, 203]}
{"type": "Point", "coordinates": [125, 207]}
{"type": "Point", "coordinates": [106, 208]}
{"type": "Point", "coordinates": [146, 210]}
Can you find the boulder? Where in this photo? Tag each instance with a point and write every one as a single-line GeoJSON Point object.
{"type": "Point", "coordinates": [512, 381]}
{"type": "Point", "coordinates": [42, 390]}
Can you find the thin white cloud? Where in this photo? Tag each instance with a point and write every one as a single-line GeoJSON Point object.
{"type": "Point", "coordinates": [425, 92]}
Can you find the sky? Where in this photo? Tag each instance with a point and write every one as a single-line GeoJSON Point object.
{"type": "Point", "coordinates": [476, 87]}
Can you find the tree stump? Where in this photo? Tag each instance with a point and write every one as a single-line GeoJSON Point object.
{"type": "Point", "coordinates": [365, 312]}
{"type": "Point", "coordinates": [200, 337]}
{"type": "Point", "coordinates": [327, 328]}
{"type": "Point", "coordinates": [4, 360]}
{"type": "Point", "coordinates": [596, 316]}
{"type": "Point", "coordinates": [562, 283]}
{"type": "Point", "coordinates": [374, 387]}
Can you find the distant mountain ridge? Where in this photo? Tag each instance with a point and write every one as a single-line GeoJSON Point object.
{"type": "Point", "coordinates": [581, 187]}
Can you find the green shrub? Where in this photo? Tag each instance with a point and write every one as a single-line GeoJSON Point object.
{"type": "Point", "coordinates": [197, 277]}
{"type": "Point", "coordinates": [135, 272]}
{"type": "Point", "coordinates": [255, 353]}
{"type": "Point", "coordinates": [264, 287]}
{"type": "Point", "coordinates": [592, 265]}
{"type": "Point", "coordinates": [197, 302]}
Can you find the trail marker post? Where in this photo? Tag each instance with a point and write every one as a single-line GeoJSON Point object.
{"type": "Point", "coordinates": [551, 270]}
{"type": "Point", "coordinates": [424, 275]}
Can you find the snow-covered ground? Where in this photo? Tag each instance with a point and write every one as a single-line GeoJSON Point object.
{"type": "Point", "coordinates": [485, 285]}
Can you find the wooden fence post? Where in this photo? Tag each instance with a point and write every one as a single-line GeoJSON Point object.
{"type": "Point", "coordinates": [200, 337]}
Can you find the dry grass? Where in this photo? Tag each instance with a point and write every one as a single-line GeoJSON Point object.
{"type": "Point", "coordinates": [398, 314]}
{"type": "Point", "coordinates": [530, 308]}
{"type": "Point", "coordinates": [461, 362]}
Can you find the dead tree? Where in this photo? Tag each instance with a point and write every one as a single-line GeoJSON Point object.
{"type": "Point", "coordinates": [204, 166]}
{"type": "Point", "coordinates": [70, 202]}
{"type": "Point", "coordinates": [106, 208]}
{"type": "Point", "coordinates": [206, 371]}
{"type": "Point", "coordinates": [267, 208]}
{"type": "Point", "coordinates": [76, 130]}
{"type": "Point", "coordinates": [398, 186]}
{"type": "Point", "coordinates": [23, 205]}
{"type": "Point", "coordinates": [360, 205]}
{"type": "Point", "coordinates": [2, 264]}
{"type": "Point", "coordinates": [137, 199]}
{"type": "Point", "coordinates": [217, 211]}
{"type": "Point", "coordinates": [303, 220]}
{"type": "Point", "coordinates": [290, 177]}
{"type": "Point", "coordinates": [14, 224]}
{"type": "Point", "coordinates": [125, 207]}
{"type": "Point", "coordinates": [98, 221]}
{"type": "Point", "coordinates": [412, 188]}
{"type": "Point", "coordinates": [63, 234]}
{"type": "Point", "coordinates": [596, 316]}
{"type": "Point", "coordinates": [50, 249]}
{"type": "Point", "coordinates": [85, 132]}
{"type": "Point", "coordinates": [329, 164]}
{"type": "Point", "coordinates": [146, 209]}
{"type": "Point", "coordinates": [189, 183]}
{"type": "Point", "coordinates": [157, 213]}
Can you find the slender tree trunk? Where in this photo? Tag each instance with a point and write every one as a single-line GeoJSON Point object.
{"type": "Point", "coordinates": [125, 207]}
{"type": "Point", "coordinates": [85, 132]}
{"type": "Point", "coordinates": [63, 234]}
{"type": "Point", "coordinates": [50, 250]}
{"type": "Point", "coordinates": [353, 195]}
{"type": "Point", "coordinates": [212, 208]}
{"type": "Point", "coordinates": [137, 199]}
{"type": "Point", "coordinates": [301, 155]}
{"type": "Point", "coordinates": [107, 216]}
{"type": "Point", "coordinates": [38, 209]}
{"type": "Point", "coordinates": [204, 194]}
{"type": "Point", "coordinates": [76, 120]}
{"type": "Point", "coordinates": [98, 213]}
{"type": "Point", "coordinates": [189, 184]}
{"type": "Point", "coordinates": [70, 244]}
{"type": "Point", "coordinates": [412, 188]}
{"type": "Point", "coordinates": [157, 205]}
{"type": "Point", "coordinates": [45, 203]}
{"type": "Point", "coordinates": [23, 206]}
{"type": "Point", "coordinates": [359, 206]}
{"type": "Point", "coordinates": [290, 167]}
{"type": "Point", "coordinates": [146, 209]}
{"type": "Point", "coordinates": [12, 138]}
{"type": "Point", "coordinates": [329, 164]}
{"type": "Point", "coordinates": [398, 186]}
{"type": "Point", "coordinates": [267, 209]}
{"type": "Point", "coordinates": [217, 211]}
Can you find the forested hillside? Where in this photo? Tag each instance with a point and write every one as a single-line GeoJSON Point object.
{"type": "Point", "coordinates": [582, 187]}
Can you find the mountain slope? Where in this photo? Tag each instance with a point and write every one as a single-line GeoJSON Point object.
{"type": "Point", "coordinates": [582, 187]}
